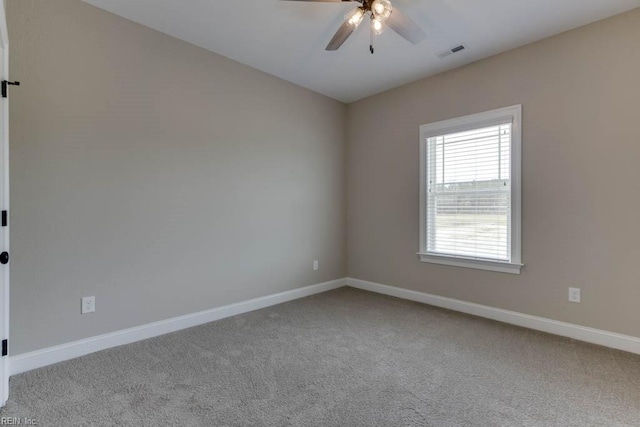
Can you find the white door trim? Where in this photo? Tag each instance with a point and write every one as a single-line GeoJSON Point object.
{"type": "Point", "coordinates": [4, 205]}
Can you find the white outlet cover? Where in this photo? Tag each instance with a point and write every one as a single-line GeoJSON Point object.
{"type": "Point", "coordinates": [574, 295]}
{"type": "Point", "coordinates": [88, 305]}
{"type": "Point", "coordinates": [315, 265]}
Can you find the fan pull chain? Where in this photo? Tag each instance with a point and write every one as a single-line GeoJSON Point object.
{"type": "Point", "coordinates": [371, 41]}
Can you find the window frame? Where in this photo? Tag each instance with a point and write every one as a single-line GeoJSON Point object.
{"type": "Point", "coordinates": [461, 124]}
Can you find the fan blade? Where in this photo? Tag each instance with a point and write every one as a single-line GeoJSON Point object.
{"type": "Point", "coordinates": [340, 37]}
{"type": "Point", "coordinates": [327, 1]}
{"type": "Point", "coordinates": [405, 27]}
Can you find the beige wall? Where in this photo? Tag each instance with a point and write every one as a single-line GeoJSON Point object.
{"type": "Point", "coordinates": [581, 145]}
{"type": "Point", "coordinates": [164, 179]}
{"type": "Point", "coordinates": [157, 176]}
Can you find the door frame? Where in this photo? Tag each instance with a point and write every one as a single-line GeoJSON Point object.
{"type": "Point", "coordinates": [4, 205]}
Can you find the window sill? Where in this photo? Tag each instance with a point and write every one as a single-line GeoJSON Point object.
{"type": "Point", "coordinates": [502, 267]}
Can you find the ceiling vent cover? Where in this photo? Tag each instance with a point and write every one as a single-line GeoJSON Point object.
{"type": "Point", "coordinates": [455, 49]}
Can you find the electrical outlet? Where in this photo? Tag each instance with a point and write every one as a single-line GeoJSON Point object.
{"type": "Point", "coordinates": [574, 294]}
{"type": "Point", "coordinates": [315, 265]}
{"type": "Point", "coordinates": [88, 305]}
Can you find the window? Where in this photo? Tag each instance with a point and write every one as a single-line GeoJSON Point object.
{"type": "Point", "coordinates": [471, 192]}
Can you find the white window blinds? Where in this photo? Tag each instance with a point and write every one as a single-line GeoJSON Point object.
{"type": "Point", "coordinates": [469, 193]}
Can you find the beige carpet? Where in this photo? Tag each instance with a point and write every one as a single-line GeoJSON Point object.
{"type": "Point", "coordinates": [343, 358]}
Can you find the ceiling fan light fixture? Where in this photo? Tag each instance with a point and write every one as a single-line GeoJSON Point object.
{"type": "Point", "coordinates": [376, 27]}
{"type": "Point", "coordinates": [354, 18]}
{"type": "Point", "coordinates": [381, 9]}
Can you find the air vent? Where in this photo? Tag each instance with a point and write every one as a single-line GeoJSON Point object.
{"type": "Point", "coordinates": [451, 51]}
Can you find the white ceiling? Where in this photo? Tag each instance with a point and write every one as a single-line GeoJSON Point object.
{"type": "Point", "coordinates": [287, 38]}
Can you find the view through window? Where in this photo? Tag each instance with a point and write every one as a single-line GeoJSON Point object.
{"type": "Point", "coordinates": [471, 191]}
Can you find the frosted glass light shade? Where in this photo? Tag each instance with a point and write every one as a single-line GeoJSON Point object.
{"type": "Point", "coordinates": [376, 27]}
{"type": "Point", "coordinates": [381, 9]}
{"type": "Point", "coordinates": [354, 18]}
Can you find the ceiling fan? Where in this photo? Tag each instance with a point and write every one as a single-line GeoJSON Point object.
{"type": "Point", "coordinates": [381, 13]}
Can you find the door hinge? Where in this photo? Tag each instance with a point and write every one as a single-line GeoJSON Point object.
{"type": "Point", "coordinates": [5, 218]}
{"type": "Point", "coordinates": [5, 347]}
{"type": "Point", "coordinates": [4, 87]}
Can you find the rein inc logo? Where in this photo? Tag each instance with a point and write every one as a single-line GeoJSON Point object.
{"type": "Point", "coordinates": [17, 421]}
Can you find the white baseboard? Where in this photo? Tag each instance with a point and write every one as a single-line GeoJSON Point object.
{"type": "Point", "coordinates": [48, 356]}
{"type": "Point", "coordinates": [581, 333]}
